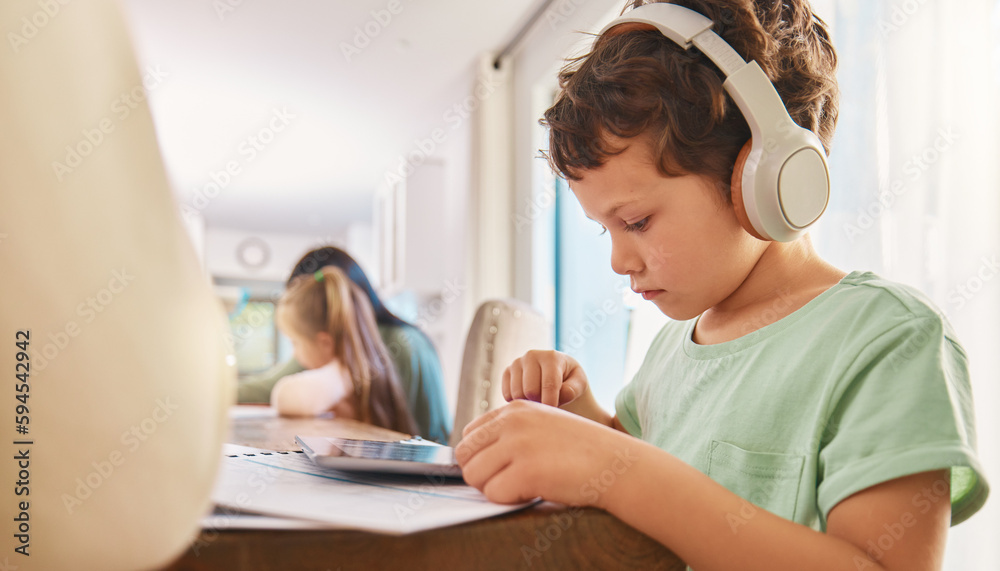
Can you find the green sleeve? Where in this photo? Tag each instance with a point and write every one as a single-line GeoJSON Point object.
{"type": "Point", "coordinates": [651, 369]}
{"type": "Point", "coordinates": [257, 389]}
{"type": "Point", "coordinates": [905, 407]}
{"type": "Point", "coordinates": [421, 379]}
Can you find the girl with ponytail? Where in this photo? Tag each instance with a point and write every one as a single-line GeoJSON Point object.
{"type": "Point", "coordinates": [348, 369]}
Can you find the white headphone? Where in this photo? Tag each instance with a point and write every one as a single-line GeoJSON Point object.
{"type": "Point", "coordinates": [781, 181]}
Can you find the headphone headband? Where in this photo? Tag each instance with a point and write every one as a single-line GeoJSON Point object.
{"type": "Point", "coordinates": [784, 186]}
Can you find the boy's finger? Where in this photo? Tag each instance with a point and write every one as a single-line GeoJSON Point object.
{"type": "Point", "coordinates": [505, 385]}
{"type": "Point", "coordinates": [516, 380]}
{"type": "Point", "coordinates": [484, 464]}
{"type": "Point", "coordinates": [505, 487]}
{"type": "Point", "coordinates": [567, 393]}
{"type": "Point", "coordinates": [550, 383]}
{"type": "Point", "coordinates": [531, 381]}
{"type": "Point", "coordinates": [484, 419]}
{"type": "Point", "coordinates": [572, 387]}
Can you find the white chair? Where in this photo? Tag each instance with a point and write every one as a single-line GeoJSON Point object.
{"type": "Point", "coordinates": [502, 330]}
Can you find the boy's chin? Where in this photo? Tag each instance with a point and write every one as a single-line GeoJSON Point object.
{"type": "Point", "coordinates": [674, 310]}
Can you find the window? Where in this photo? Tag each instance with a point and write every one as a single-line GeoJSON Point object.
{"type": "Point", "coordinates": [591, 316]}
{"type": "Point", "coordinates": [256, 341]}
{"type": "Point", "coordinates": [257, 344]}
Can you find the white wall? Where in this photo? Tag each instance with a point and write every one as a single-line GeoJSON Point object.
{"type": "Point", "coordinates": [281, 251]}
{"type": "Point", "coordinates": [536, 62]}
{"type": "Point", "coordinates": [434, 280]}
{"type": "Point", "coordinates": [433, 287]}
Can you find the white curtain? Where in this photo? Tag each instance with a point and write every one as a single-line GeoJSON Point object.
{"type": "Point", "coordinates": [917, 186]}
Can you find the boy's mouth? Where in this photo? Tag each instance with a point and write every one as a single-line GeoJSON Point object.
{"type": "Point", "coordinates": [648, 294]}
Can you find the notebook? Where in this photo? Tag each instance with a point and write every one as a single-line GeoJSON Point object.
{"type": "Point", "coordinates": [289, 485]}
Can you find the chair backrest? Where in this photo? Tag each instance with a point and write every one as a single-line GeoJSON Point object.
{"type": "Point", "coordinates": [502, 330]}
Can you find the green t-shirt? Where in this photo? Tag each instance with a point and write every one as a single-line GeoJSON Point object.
{"type": "Point", "coordinates": [864, 384]}
{"type": "Point", "coordinates": [420, 376]}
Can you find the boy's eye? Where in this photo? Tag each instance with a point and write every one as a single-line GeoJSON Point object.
{"type": "Point", "coordinates": [637, 226]}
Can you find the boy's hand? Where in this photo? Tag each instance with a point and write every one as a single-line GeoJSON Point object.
{"type": "Point", "coordinates": [523, 451]}
{"type": "Point", "coordinates": [548, 377]}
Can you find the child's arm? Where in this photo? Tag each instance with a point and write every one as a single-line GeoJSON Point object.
{"type": "Point", "coordinates": [555, 379]}
{"type": "Point", "coordinates": [524, 450]}
{"type": "Point", "coordinates": [308, 393]}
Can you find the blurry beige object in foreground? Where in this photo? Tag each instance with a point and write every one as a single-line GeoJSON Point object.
{"type": "Point", "coordinates": [128, 378]}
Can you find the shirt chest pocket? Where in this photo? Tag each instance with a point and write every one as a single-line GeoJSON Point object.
{"type": "Point", "coordinates": [765, 479]}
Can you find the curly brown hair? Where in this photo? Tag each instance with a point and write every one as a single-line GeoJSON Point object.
{"type": "Point", "coordinates": [636, 82]}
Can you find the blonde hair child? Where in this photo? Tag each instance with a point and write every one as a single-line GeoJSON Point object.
{"type": "Point", "coordinates": [348, 369]}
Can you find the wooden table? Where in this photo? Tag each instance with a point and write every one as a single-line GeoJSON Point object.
{"type": "Point", "coordinates": [545, 536]}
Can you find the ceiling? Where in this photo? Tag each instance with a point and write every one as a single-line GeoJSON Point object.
{"type": "Point", "coordinates": [308, 102]}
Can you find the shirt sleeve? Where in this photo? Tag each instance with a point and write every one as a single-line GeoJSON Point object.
{"type": "Point", "coordinates": [650, 371]}
{"type": "Point", "coordinates": [905, 408]}
{"type": "Point", "coordinates": [625, 409]}
{"type": "Point", "coordinates": [310, 393]}
{"type": "Point", "coordinates": [257, 389]}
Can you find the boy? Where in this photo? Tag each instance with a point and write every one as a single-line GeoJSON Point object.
{"type": "Point", "coordinates": [837, 402]}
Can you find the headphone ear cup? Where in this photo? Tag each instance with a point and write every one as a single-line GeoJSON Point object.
{"type": "Point", "coordinates": [736, 191]}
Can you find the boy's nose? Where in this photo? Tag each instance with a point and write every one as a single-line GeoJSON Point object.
{"type": "Point", "coordinates": [624, 258]}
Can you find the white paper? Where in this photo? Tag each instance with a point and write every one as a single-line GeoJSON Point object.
{"type": "Point", "coordinates": [241, 411]}
{"type": "Point", "coordinates": [223, 519]}
{"type": "Point", "coordinates": [290, 485]}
